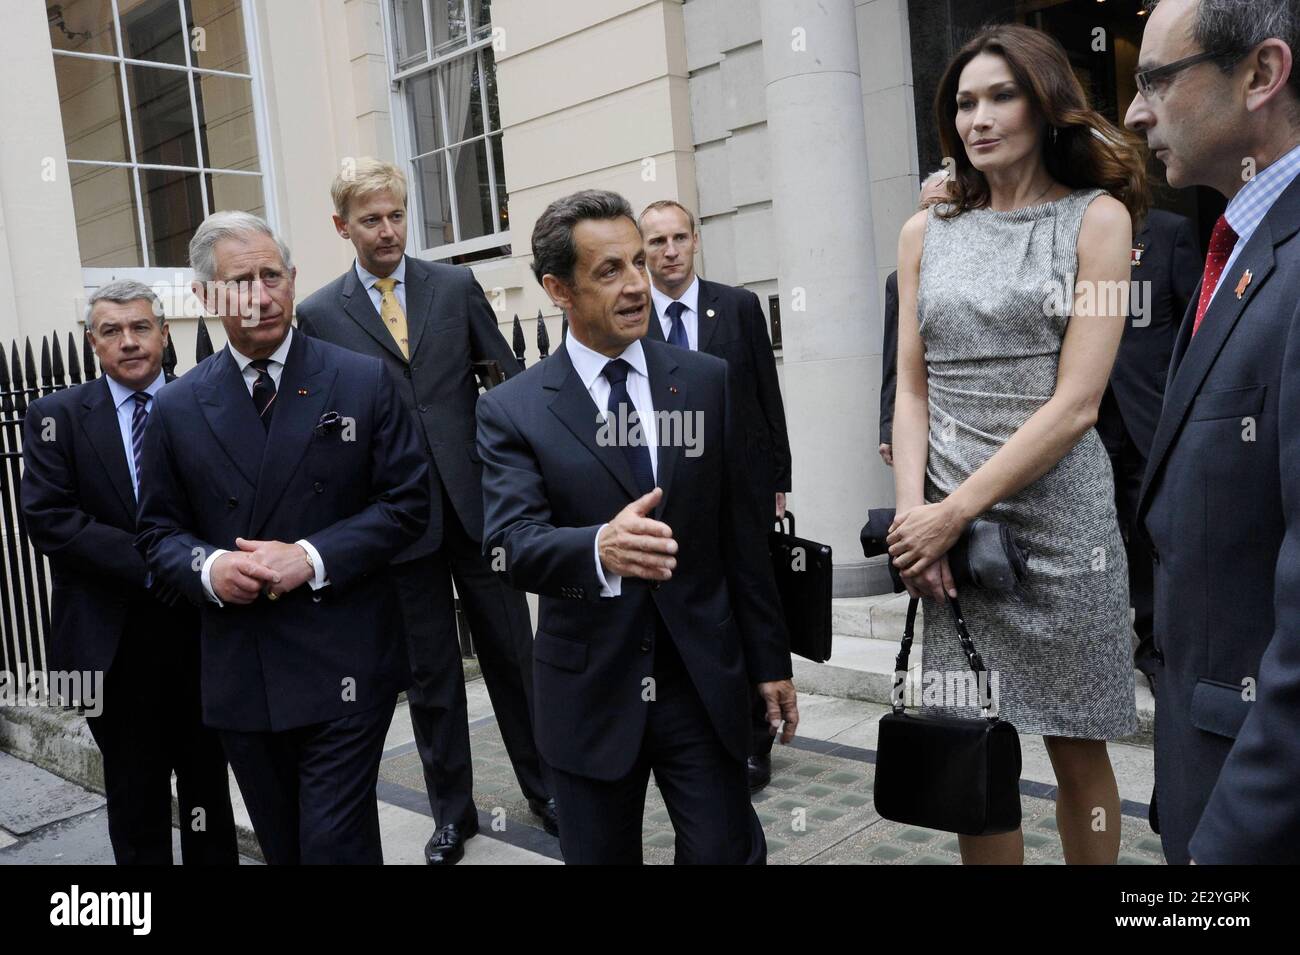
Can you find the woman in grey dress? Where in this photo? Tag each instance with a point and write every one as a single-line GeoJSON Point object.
{"type": "Point", "coordinates": [1013, 297]}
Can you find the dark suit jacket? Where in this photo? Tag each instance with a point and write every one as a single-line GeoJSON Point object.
{"type": "Point", "coordinates": [1222, 507]}
{"type": "Point", "coordinates": [451, 325]}
{"type": "Point", "coordinates": [80, 512]}
{"type": "Point", "coordinates": [737, 333]}
{"type": "Point", "coordinates": [1171, 268]}
{"type": "Point", "coordinates": [889, 361]}
{"type": "Point", "coordinates": [210, 474]}
{"type": "Point", "coordinates": [548, 485]}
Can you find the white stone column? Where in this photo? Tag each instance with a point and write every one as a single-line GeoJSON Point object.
{"type": "Point", "coordinates": [830, 295]}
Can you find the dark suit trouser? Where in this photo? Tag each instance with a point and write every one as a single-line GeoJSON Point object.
{"type": "Point", "coordinates": [1128, 462]}
{"type": "Point", "coordinates": [311, 790]}
{"type": "Point", "coordinates": [704, 787]}
{"type": "Point", "coordinates": [499, 621]}
{"type": "Point", "coordinates": [151, 725]}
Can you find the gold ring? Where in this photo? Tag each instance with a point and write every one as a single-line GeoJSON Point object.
{"type": "Point", "coordinates": [272, 595]}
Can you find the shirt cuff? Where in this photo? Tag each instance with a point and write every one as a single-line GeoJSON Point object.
{"type": "Point", "coordinates": [319, 580]}
{"type": "Point", "coordinates": [206, 577]}
{"type": "Point", "coordinates": [611, 584]}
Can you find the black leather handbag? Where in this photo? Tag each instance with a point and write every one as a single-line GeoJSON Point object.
{"type": "Point", "coordinates": [955, 774]}
{"type": "Point", "coordinates": [949, 773]}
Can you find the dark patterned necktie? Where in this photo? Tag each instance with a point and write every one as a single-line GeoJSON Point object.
{"type": "Point", "coordinates": [263, 391]}
{"type": "Point", "coordinates": [638, 455]}
{"type": "Point", "coordinates": [139, 418]}
{"type": "Point", "coordinates": [677, 332]}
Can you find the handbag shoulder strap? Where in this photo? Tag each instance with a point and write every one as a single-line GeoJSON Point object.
{"type": "Point", "coordinates": [973, 658]}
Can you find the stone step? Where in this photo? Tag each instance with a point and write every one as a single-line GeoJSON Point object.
{"type": "Point", "coordinates": [865, 642]}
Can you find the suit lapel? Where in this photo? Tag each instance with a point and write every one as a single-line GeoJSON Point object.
{"type": "Point", "coordinates": [305, 387]}
{"type": "Point", "coordinates": [668, 392]}
{"type": "Point", "coordinates": [1194, 357]}
{"type": "Point", "coordinates": [574, 407]}
{"type": "Point", "coordinates": [105, 434]}
{"type": "Point", "coordinates": [357, 305]}
{"type": "Point", "coordinates": [706, 324]}
{"type": "Point", "coordinates": [224, 399]}
{"type": "Point", "coordinates": [419, 301]}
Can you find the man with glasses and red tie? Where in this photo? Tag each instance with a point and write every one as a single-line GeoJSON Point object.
{"type": "Point", "coordinates": [1219, 104]}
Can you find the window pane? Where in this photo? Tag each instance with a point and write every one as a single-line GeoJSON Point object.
{"type": "Point", "coordinates": [226, 121]}
{"type": "Point", "coordinates": [160, 112]}
{"type": "Point", "coordinates": [90, 22]}
{"type": "Point", "coordinates": [464, 98]}
{"type": "Point", "coordinates": [435, 201]}
{"type": "Point", "coordinates": [220, 43]}
{"type": "Point", "coordinates": [482, 13]}
{"type": "Point", "coordinates": [408, 25]}
{"type": "Point", "coordinates": [448, 25]}
{"type": "Point", "coordinates": [151, 30]}
{"type": "Point", "coordinates": [473, 192]}
{"type": "Point", "coordinates": [108, 230]}
{"type": "Point", "coordinates": [499, 164]}
{"type": "Point", "coordinates": [226, 192]}
{"type": "Point", "coordinates": [490, 80]}
{"type": "Point", "coordinates": [90, 100]}
{"type": "Point", "coordinates": [426, 116]}
{"type": "Point", "coordinates": [173, 209]}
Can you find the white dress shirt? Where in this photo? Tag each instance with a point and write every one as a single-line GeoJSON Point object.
{"type": "Point", "coordinates": [122, 401]}
{"type": "Point", "coordinates": [589, 364]}
{"type": "Point", "coordinates": [275, 369]}
{"type": "Point", "coordinates": [690, 318]}
{"type": "Point", "coordinates": [376, 296]}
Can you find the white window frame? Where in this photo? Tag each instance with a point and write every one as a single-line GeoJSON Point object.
{"type": "Point", "coordinates": [148, 273]}
{"type": "Point", "coordinates": [404, 146]}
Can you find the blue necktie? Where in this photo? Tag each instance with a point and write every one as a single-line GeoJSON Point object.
{"type": "Point", "coordinates": [638, 455]}
{"type": "Point", "coordinates": [139, 418]}
{"type": "Point", "coordinates": [677, 333]}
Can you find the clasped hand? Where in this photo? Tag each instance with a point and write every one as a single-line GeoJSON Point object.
{"type": "Point", "coordinates": [919, 540]}
{"type": "Point", "coordinates": [274, 567]}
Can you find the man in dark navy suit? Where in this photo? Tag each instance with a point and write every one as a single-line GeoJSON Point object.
{"type": "Point", "coordinates": [1219, 103]}
{"type": "Point", "coordinates": [280, 477]}
{"type": "Point", "coordinates": [110, 617]}
{"type": "Point", "coordinates": [1166, 267]}
{"type": "Point", "coordinates": [728, 322]}
{"type": "Point", "coordinates": [428, 322]}
{"type": "Point", "coordinates": [614, 486]}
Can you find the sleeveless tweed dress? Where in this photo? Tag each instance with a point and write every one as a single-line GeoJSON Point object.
{"type": "Point", "coordinates": [1059, 651]}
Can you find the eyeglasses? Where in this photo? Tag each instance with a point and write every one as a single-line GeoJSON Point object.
{"type": "Point", "coordinates": [1149, 82]}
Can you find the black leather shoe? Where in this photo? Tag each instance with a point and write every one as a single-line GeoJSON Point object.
{"type": "Point", "coordinates": [760, 771]}
{"type": "Point", "coordinates": [447, 845]}
{"type": "Point", "coordinates": [545, 811]}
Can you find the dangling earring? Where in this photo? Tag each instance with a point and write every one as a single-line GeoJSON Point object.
{"type": "Point", "coordinates": [1054, 133]}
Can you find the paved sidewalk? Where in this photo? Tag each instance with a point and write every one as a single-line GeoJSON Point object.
{"type": "Point", "coordinates": [817, 809]}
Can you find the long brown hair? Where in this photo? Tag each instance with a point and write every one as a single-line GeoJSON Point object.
{"type": "Point", "coordinates": [1088, 150]}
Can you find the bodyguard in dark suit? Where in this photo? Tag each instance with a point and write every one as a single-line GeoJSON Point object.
{"type": "Point", "coordinates": [427, 322]}
{"type": "Point", "coordinates": [1219, 499]}
{"type": "Point", "coordinates": [1166, 267]}
{"type": "Point", "coordinates": [643, 537]}
{"type": "Point", "coordinates": [727, 322]}
{"type": "Point", "coordinates": [280, 477]}
{"type": "Point", "coordinates": [110, 618]}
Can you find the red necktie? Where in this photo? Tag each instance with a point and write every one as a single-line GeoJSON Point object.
{"type": "Point", "coordinates": [1222, 241]}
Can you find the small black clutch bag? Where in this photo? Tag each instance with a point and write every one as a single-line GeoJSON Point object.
{"type": "Point", "coordinates": [954, 774]}
{"type": "Point", "coordinates": [949, 773]}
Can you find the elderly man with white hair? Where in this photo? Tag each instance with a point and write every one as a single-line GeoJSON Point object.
{"type": "Point", "coordinates": [281, 476]}
{"type": "Point", "coordinates": [110, 617]}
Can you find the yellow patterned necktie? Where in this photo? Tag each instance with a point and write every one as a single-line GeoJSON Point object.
{"type": "Point", "coordinates": [390, 310]}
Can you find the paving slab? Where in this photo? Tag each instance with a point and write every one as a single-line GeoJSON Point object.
{"type": "Point", "coordinates": [34, 798]}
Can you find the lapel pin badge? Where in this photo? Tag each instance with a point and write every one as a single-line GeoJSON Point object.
{"type": "Point", "coordinates": [1244, 283]}
{"type": "Point", "coordinates": [1135, 259]}
{"type": "Point", "coordinates": [303, 392]}
{"type": "Point", "coordinates": [709, 313]}
{"type": "Point", "coordinates": [672, 389]}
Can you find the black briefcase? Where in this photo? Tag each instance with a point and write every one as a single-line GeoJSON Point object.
{"type": "Point", "coordinates": [954, 774]}
{"type": "Point", "coordinates": [803, 579]}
